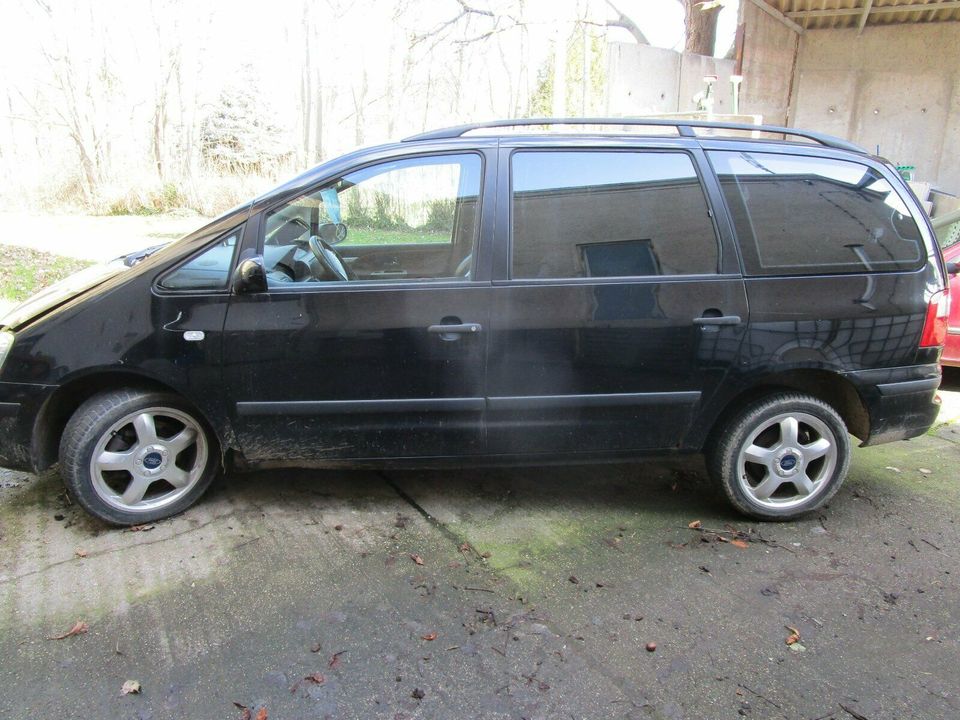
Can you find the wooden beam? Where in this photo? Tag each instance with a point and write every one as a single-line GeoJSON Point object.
{"type": "Point", "coordinates": [863, 18]}
{"type": "Point", "coordinates": [778, 16]}
{"type": "Point", "coordinates": [915, 7]}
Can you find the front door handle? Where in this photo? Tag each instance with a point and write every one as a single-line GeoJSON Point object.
{"type": "Point", "coordinates": [717, 320]}
{"type": "Point", "coordinates": [452, 332]}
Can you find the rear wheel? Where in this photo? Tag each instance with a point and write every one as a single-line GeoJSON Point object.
{"type": "Point", "coordinates": [130, 457]}
{"type": "Point", "coordinates": [781, 456]}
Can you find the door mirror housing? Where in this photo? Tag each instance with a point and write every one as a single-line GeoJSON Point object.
{"type": "Point", "coordinates": [250, 276]}
{"type": "Point", "coordinates": [952, 268]}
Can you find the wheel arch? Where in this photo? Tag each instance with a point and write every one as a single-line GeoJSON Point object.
{"type": "Point", "coordinates": [829, 387]}
{"type": "Point", "coordinates": [57, 410]}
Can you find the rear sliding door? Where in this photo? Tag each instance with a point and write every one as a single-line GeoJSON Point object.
{"type": "Point", "coordinates": [616, 310]}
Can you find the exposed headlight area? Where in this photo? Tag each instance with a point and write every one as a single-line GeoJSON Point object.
{"type": "Point", "coordinates": [6, 342]}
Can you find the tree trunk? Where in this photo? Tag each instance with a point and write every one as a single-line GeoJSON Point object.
{"type": "Point", "coordinates": [560, 72]}
{"type": "Point", "coordinates": [306, 91]}
{"type": "Point", "coordinates": [701, 27]}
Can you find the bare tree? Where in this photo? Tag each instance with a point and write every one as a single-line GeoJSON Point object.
{"type": "Point", "coordinates": [622, 21]}
{"type": "Point", "coordinates": [701, 25]}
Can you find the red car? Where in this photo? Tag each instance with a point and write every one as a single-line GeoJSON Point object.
{"type": "Point", "coordinates": [948, 233]}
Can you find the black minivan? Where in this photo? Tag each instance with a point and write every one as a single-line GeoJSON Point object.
{"type": "Point", "coordinates": [476, 294]}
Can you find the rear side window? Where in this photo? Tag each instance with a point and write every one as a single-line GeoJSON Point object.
{"type": "Point", "coordinates": [806, 215]}
{"type": "Point", "coordinates": [609, 214]}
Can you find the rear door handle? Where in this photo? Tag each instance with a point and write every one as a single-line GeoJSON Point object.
{"type": "Point", "coordinates": [459, 329]}
{"type": "Point", "coordinates": [718, 320]}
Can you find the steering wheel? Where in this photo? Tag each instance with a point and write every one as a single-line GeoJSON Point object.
{"type": "Point", "coordinates": [329, 258]}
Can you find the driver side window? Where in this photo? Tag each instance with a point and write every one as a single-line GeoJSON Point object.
{"type": "Point", "coordinates": [408, 219]}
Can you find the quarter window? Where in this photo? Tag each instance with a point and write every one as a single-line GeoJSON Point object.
{"type": "Point", "coordinates": [803, 215]}
{"type": "Point", "coordinates": [609, 214]}
{"type": "Point", "coordinates": [210, 270]}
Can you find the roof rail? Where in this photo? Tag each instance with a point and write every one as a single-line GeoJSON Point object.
{"type": "Point", "coordinates": [684, 127]}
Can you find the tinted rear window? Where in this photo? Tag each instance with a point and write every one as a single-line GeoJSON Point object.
{"type": "Point", "coordinates": [609, 214]}
{"type": "Point", "coordinates": [805, 215]}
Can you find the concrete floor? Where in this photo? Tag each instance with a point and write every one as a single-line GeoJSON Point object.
{"type": "Point", "coordinates": [540, 589]}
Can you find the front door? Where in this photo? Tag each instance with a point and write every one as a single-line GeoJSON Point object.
{"type": "Point", "coordinates": [370, 341]}
{"type": "Point", "coordinates": [613, 320]}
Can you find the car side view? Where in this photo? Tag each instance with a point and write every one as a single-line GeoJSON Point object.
{"type": "Point", "coordinates": [538, 290]}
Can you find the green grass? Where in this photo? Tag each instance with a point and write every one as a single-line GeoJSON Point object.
{"type": "Point", "coordinates": [365, 236]}
{"type": "Point", "coordinates": [24, 272]}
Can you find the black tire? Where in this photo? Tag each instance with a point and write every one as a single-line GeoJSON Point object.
{"type": "Point", "coordinates": [724, 454]}
{"type": "Point", "coordinates": [89, 425]}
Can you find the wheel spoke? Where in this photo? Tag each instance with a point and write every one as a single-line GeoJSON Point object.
{"type": "Point", "coordinates": [803, 483]}
{"type": "Point", "coordinates": [108, 460]}
{"type": "Point", "coordinates": [181, 441]}
{"type": "Point", "coordinates": [816, 449]}
{"type": "Point", "coordinates": [136, 490]}
{"type": "Point", "coordinates": [146, 429]}
{"type": "Point", "coordinates": [176, 477]}
{"type": "Point", "coordinates": [758, 455]}
{"type": "Point", "coordinates": [789, 431]}
{"type": "Point", "coordinates": [767, 487]}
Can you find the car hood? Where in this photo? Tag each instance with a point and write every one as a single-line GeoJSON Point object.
{"type": "Point", "coordinates": [61, 292]}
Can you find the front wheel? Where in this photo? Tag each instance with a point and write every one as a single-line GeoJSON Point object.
{"type": "Point", "coordinates": [781, 456]}
{"type": "Point", "coordinates": [130, 457]}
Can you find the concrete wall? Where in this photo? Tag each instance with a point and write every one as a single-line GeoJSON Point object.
{"type": "Point", "coordinates": [896, 87]}
{"type": "Point", "coordinates": [769, 51]}
{"type": "Point", "coordinates": [645, 80]}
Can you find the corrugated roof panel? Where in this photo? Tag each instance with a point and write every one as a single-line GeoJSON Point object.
{"type": "Point", "coordinates": [818, 14]}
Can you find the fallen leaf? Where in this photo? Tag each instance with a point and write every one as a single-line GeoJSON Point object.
{"type": "Point", "coordinates": [925, 471]}
{"type": "Point", "coordinates": [338, 528]}
{"type": "Point", "coordinates": [80, 553]}
{"type": "Point", "coordinates": [262, 713]}
{"type": "Point", "coordinates": [315, 678]}
{"type": "Point", "coordinates": [742, 544]}
{"type": "Point", "coordinates": [793, 637]}
{"type": "Point", "coordinates": [244, 711]}
{"type": "Point", "coordinates": [892, 468]}
{"type": "Point", "coordinates": [416, 558]}
{"type": "Point", "coordinates": [141, 528]}
{"type": "Point", "coordinates": [78, 628]}
{"type": "Point", "coordinates": [417, 694]}
{"type": "Point", "coordinates": [429, 637]}
{"type": "Point", "coordinates": [130, 687]}
{"type": "Point", "coordinates": [464, 547]}
{"type": "Point", "coordinates": [335, 659]}
{"type": "Point", "coordinates": [695, 525]}
{"type": "Point", "coordinates": [574, 579]}
{"type": "Point", "coordinates": [486, 555]}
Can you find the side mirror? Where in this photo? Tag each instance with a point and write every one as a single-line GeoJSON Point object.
{"type": "Point", "coordinates": [250, 276]}
{"type": "Point", "coordinates": [952, 268]}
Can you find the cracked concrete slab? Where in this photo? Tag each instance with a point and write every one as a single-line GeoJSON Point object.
{"type": "Point", "coordinates": [539, 591]}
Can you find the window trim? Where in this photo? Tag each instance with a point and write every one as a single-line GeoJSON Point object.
{"type": "Point", "coordinates": [224, 289]}
{"type": "Point", "coordinates": [388, 283]}
{"type": "Point", "coordinates": [797, 271]}
{"type": "Point", "coordinates": [711, 215]}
